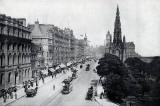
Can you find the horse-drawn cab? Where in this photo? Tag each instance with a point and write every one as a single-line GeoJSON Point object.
{"type": "Point", "coordinates": [88, 67]}
{"type": "Point", "coordinates": [89, 95]}
{"type": "Point", "coordinates": [74, 75]}
{"type": "Point", "coordinates": [31, 91]}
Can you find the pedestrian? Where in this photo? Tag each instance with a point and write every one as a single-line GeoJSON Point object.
{"type": "Point", "coordinates": [52, 75]}
{"type": "Point", "coordinates": [101, 95]}
{"type": "Point", "coordinates": [31, 82]}
{"type": "Point", "coordinates": [43, 79]}
{"type": "Point", "coordinates": [55, 75]}
{"type": "Point", "coordinates": [4, 96]}
{"type": "Point", "coordinates": [36, 81]}
{"type": "Point", "coordinates": [53, 87]}
{"type": "Point", "coordinates": [15, 95]}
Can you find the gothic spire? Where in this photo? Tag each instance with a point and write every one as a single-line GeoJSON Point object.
{"type": "Point", "coordinates": [117, 11]}
{"type": "Point", "coordinates": [117, 29]}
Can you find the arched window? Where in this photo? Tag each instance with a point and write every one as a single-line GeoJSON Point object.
{"type": "Point", "coordinates": [25, 72]}
{"type": "Point", "coordinates": [8, 59]}
{"type": "Point", "coordinates": [2, 46]}
{"type": "Point", "coordinates": [8, 46]}
{"type": "Point", "coordinates": [22, 47]}
{"type": "Point", "coordinates": [19, 58]}
{"type": "Point", "coordinates": [1, 78]}
{"type": "Point", "coordinates": [28, 71]}
{"type": "Point", "coordinates": [23, 58]}
{"type": "Point", "coordinates": [14, 59]}
{"type": "Point", "coordinates": [2, 60]}
{"type": "Point", "coordinates": [9, 77]}
{"type": "Point", "coordinates": [14, 46]}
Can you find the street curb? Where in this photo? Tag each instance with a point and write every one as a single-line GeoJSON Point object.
{"type": "Point", "coordinates": [14, 100]}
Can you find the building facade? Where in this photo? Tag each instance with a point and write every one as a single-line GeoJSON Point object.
{"type": "Point", "coordinates": [117, 46]}
{"type": "Point", "coordinates": [15, 49]}
{"type": "Point", "coordinates": [58, 45]}
{"type": "Point", "coordinates": [80, 49]}
{"type": "Point", "coordinates": [37, 59]}
{"type": "Point", "coordinates": [62, 45]}
{"type": "Point", "coordinates": [41, 36]}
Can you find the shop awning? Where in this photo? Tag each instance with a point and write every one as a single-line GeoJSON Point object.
{"type": "Point", "coordinates": [44, 72]}
{"type": "Point", "coordinates": [62, 65]}
{"type": "Point", "coordinates": [57, 67]}
{"type": "Point", "coordinates": [69, 63]}
{"type": "Point", "coordinates": [51, 69]}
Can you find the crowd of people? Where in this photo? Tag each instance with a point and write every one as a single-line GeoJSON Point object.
{"type": "Point", "coordinates": [9, 93]}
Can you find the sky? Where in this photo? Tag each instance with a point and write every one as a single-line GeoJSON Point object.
{"type": "Point", "coordinates": [140, 19]}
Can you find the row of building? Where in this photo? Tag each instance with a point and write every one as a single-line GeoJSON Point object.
{"type": "Point", "coordinates": [26, 49]}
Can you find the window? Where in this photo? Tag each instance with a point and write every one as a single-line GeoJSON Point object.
{"type": "Point", "coordinates": [9, 77]}
{"type": "Point", "coordinates": [25, 72]}
{"type": "Point", "coordinates": [28, 71]}
{"type": "Point", "coordinates": [1, 79]}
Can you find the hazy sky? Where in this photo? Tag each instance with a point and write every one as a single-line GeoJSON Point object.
{"type": "Point", "coordinates": [140, 19]}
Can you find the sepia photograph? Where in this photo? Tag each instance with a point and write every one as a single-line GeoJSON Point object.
{"type": "Point", "coordinates": [79, 53]}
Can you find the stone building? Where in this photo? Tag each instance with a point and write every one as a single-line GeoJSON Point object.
{"type": "Point", "coordinates": [57, 44]}
{"type": "Point", "coordinates": [15, 49]}
{"type": "Point", "coordinates": [117, 46]}
{"type": "Point", "coordinates": [80, 49]}
{"type": "Point", "coordinates": [37, 59]}
{"type": "Point", "coordinates": [61, 39]}
{"type": "Point", "coordinates": [42, 36]}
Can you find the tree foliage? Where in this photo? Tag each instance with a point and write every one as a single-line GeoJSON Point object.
{"type": "Point", "coordinates": [113, 69]}
{"type": "Point", "coordinates": [131, 78]}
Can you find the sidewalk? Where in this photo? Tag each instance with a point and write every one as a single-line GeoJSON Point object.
{"type": "Point", "coordinates": [21, 93]}
{"type": "Point", "coordinates": [104, 102]}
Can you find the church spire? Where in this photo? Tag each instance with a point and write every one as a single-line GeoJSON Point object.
{"type": "Point", "coordinates": [117, 11]}
{"type": "Point", "coordinates": [117, 29]}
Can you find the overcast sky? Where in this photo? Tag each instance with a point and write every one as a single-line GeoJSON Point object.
{"type": "Point", "coordinates": [140, 19]}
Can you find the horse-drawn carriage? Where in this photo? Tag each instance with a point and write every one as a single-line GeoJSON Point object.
{"type": "Point", "coordinates": [74, 75]}
{"type": "Point", "coordinates": [89, 95]}
{"type": "Point", "coordinates": [30, 88]}
{"type": "Point", "coordinates": [88, 67]}
{"type": "Point", "coordinates": [30, 92]}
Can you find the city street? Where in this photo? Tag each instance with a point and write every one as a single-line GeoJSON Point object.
{"type": "Point", "coordinates": [77, 96]}
{"type": "Point", "coordinates": [43, 94]}
{"type": "Point", "coordinates": [47, 96]}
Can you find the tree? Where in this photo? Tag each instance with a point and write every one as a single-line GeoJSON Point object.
{"type": "Point", "coordinates": [110, 64]}
{"type": "Point", "coordinates": [111, 67]}
{"type": "Point", "coordinates": [137, 70]}
{"type": "Point", "coordinates": [154, 68]}
{"type": "Point", "coordinates": [136, 63]}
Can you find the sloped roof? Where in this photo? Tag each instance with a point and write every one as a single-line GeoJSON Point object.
{"type": "Point", "coordinates": [36, 32]}
{"type": "Point", "coordinates": [130, 45]}
{"type": "Point", "coordinates": [40, 30]}
{"type": "Point", "coordinates": [45, 29]}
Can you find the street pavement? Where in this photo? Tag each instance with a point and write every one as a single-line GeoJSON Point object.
{"type": "Point", "coordinates": [80, 88]}
{"type": "Point", "coordinates": [46, 96]}
{"type": "Point", "coordinates": [43, 94]}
